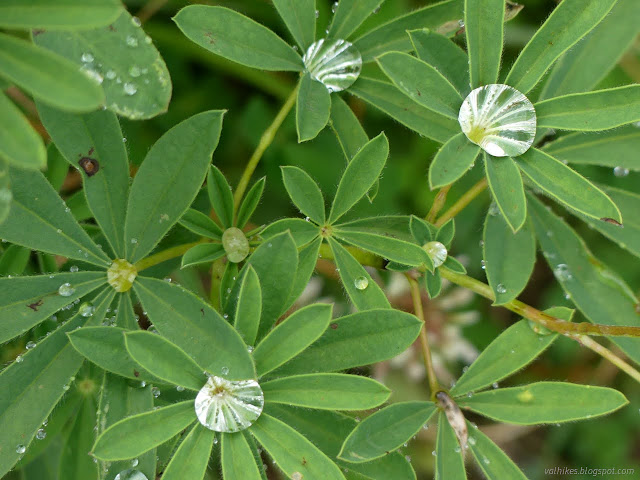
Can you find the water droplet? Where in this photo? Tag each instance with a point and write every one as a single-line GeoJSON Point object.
{"type": "Point", "coordinates": [361, 283]}
{"type": "Point", "coordinates": [376, 10]}
{"type": "Point", "coordinates": [134, 71]}
{"type": "Point", "coordinates": [229, 406]}
{"type": "Point", "coordinates": [483, 264]}
{"type": "Point", "coordinates": [562, 272]}
{"type": "Point", "coordinates": [486, 461]}
{"type": "Point", "coordinates": [334, 7]}
{"type": "Point", "coordinates": [134, 241]}
{"type": "Point", "coordinates": [334, 63]}
{"type": "Point", "coordinates": [155, 391]}
{"type": "Point", "coordinates": [499, 119]}
{"type": "Point", "coordinates": [470, 394]}
{"type": "Point", "coordinates": [19, 359]}
{"type": "Point", "coordinates": [66, 290]}
{"type": "Point", "coordinates": [86, 309]}
{"type": "Point", "coordinates": [30, 345]}
{"type": "Point", "coordinates": [129, 89]}
{"type": "Point", "coordinates": [20, 449]}
{"type": "Point", "coordinates": [147, 40]}
{"type": "Point", "coordinates": [180, 388]}
{"type": "Point", "coordinates": [143, 384]}
{"type": "Point", "coordinates": [434, 453]}
{"type": "Point", "coordinates": [73, 269]}
{"type": "Point", "coordinates": [87, 57]}
{"type": "Point", "coordinates": [121, 275]}
{"type": "Point", "coordinates": [131, 474]}
{"type": "Point", "coordinates": [249, 349]}
{"type": "Point", "coordinates": [92, 74]}
{"type": "Point", "coordinates": [317, 13]}
{"type": "Point", "coordinates": [620, 171]}
{"type": "Point", "coordinates": [134, 462]}
{"type": "Point", "coordinates": [472, 441]}
{"type": "Point", "coordinates": [457, 449]}
{"type": "Point", "coordinates": [235, 244]}
{"type": "Point", "coordinates": [436, 251]}
{"type": "Point", "coordinates": [225, 370]}
{"type": "Point", "coordinates": [41, 434]}
{"type": "Point", "coordinates": [539, 329]}
{"type": "Point", "coordinates": [136, 23]}
{"type": "Point", "coordinates": [296, 476]}
{"type": "Point", "coordinates": [132, 41]}
{"type": "Point", "coordinates": [495, 385]}
{"type": "Point", "coordinates": [501, 288]}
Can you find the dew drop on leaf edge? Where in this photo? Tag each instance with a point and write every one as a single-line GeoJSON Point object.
{"type": "Point", "coordinates": [335, 63]}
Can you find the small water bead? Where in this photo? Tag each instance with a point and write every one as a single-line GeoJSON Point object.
{"type": "Point", "coordinates": [486, 461]}
{"type": "Point", "coordinates": [19, 359]}
{"type": "Point", "coordinates": [249, 349]}
{"type": "Point", "coordinates": [41, 434]}
{"type": "Point", "coordinates": [73, 269]}
{"type": "Point", "coordinates": [500, 119]}
{"type": "Point", "coordinates": [132, 41]}
{"type": "Point", "coordinates": [66, 290]}
{"type": "Point", "coordinates": [472, 441]}
{"type": "Point", "coordinates": [620, 171]}
{"type": "Point", "coordinates": [121, 275]}
{"type": "Point", "coordinates": [361, 283]}
{"type": "Point", "coordinates": [131, 474]}
{"type": "Point", "coordinates": [296, 476]}
{"type": "Point", "coordinates": [434, 453]}
{"type": "Point", "coordinates": [437, 252]}
{"type": "Point", "coordinates": [180, 388]}
{"type": "Point", "coordinates": [501, 288]}
{"type": "Point", "coordinates": [457, 449]}
{"type": "Point", "coordinates": [30, 345]}
{"type": "Point", "coordinates": [317, 13]}
{"type": "Point", "coordinates": [483, 264]}
{"type": "Point", "coordinates": [562, 272]}
{"type": "Point", "coordinates": [135, 21]}
{"type": "Point", "coordinates": [539, 329]}
{"type": "Point", "coordinates": [495, 385]}
{"type": "Point", "coordinates": [235, 244]}
{"type": "Point", "coordinates": [86, 309]}
{"type": "Point", "coordinates": [129, 89]}
{"type": "Point", "coordinates": [229, 406]}
{"type": "Point", "coordinates": [225, 370]}
{"type": "Point", "coordinates": [334, 63]}
{"type": "Point", "coordinates": [20, 449]}
{"type": "Point", "coordinates": [135, 71]}
{"type": "Point", "coordinates": [87, 57]}
{"type": "Point", "coordinates": [155, 391]}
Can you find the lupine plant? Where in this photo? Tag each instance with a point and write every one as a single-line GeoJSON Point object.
{"type": "Point", "coordinates": [156, 324]}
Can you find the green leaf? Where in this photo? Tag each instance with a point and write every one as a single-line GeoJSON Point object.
{"type": "Point", "coordinates": [421, 230]}
{"type": "Point", "coordinates": [126, 317]}
{"type": "Point", "coordinates": [350, 270]}
{"type": "Point", "coordinates": [195, 327]}
{"type": "Point", "coordinates": [483, 21]}
{"type": "Point", "coordinates": [5, 186]}
{"type": "Point", "coordinates": [203, 253]}
{"type": "Point", "coordinates": [304, 193]}
{"type": "Point", "coordinates": [545, 402]}
{"type": "Point", "coordinates": [594, 289]}
{"type": "Point", "coordinates": [612, 148]}
{"type": "Point", "coordinates": [569, 22]}
{"type": "Point", "coordinates": [291, 451]}
{"type": "Point", "coordinates": [68, 14]}
{"type": "Point", "coordinates": [585, 65]}
{"type": "Point", "coordinates": [48, 77]}
{"type": "Point", "coordinates": [38, 220]}
{"type": "Point", "coordinates": [566, 186]}
{"type": "Point", "coordinates": [300, 18]}
{"type": "Point", "coordinates": [164, 359]}
{"type": "Point", "coordinates": [599, 110]}
{"type": "Point", "coordinates": [27, 301]}
{"type": "Point", "coordinates": [452, 264]}
{"type": "Point", "coordinates": [494, 463]}
{"type": "Point", "coordinates": [387, 98]}
{"type": "Point", "coordinates": [354, 340]}
{"type": "Point", "coordinates": [392, 36]}
{"type": "Point", "coordinates": [13, 261]}
{"type": "Point", "coordinates": [95, 137]}
{"type": "Point", "coordinates": [236, 37]}
{"type": "Point", "coordinates": [394, 225]}
{"type": "Point", "coordinates": [387, 247]}
{"type": "Point", "coordinates": [349, 132]}
{"type": "Point", "coordinates": [361, 173]}
{"type": "Point", "coordinates": [307, 259]}
{"type": "Point", "coordinates": [446, 233]}
{"type": "Point", "coordinates": [452, 161]}
{"type": "Point", "coordinates": [513, 349]}
{"type": "Point", "coordinates": [449, 460]}
{"type": "Point", "coordinates": [300, 230]}
{"type": "Point", "coordinates": [249, 306]}
{"type": "Point", "coordinates": [57, 166]}
{"type": "Point", "coordinates": [135, 80]}
{"type": "Point", "coordinates": [330, 391]}
{"type": "Point", "coordinates": [385, 431]}
{"type": "Point", "coordinates": [75, 461]}
{"type": "Point", "coordinates": [200, 224]}
{"type": "Point", "coordinates": [192, 456]}
{"type": "Point", "coordinates": [291, 337]}
{"type": "Point", "coordinates": [509, 257]}
{"type": "Point", "coordinates": [168, 181]}
{"type": "Point", "coordinates": [31, 388]}
{"type": "Point", "coordinates": [20, 145]}
{"type": "Point", "coordinates": [105, 346]}
{"type": "Point", "coordinates": [220, 196]}
{"type": "Point", "coordinates": [444, 55]}
{"type": "Point", "coordinates": [137, 434]}
{"type": "Point", "coordinates": [421, 82]}
{"type": "Point", "coordinates": [226, 283]}
{"type": "Point", "coordinates": [349, 16]}
{"type": "Point", "coordinates": [250, 202]}
{"type": "Point", "coordinates": [507, 189]}
{"type": "Point", "coordinates": [432, 283]}
{"type": "Point", "coordinates": [313, 106]}
{"type": "Point", "coordinates": [237, 458]}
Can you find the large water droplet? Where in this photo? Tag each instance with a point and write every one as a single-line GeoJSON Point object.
{"type": "Point", "coordinates": [334, 63]}
{"type": "Point", "coordinates": [620, 171]}
{"type": "Point", "coordinates": [131, 474]}
{"type": "Point", "coordinates": [562, 272]}
{"type": "Point", "coordinates": [86, 309]}
{"type": "Point", "coordinates": [361, 283]}
{"type": "Point", "coordinates": [499, 119]}
{"type": "Point", "coordinates": [66, 290]}
{"type": "Point", "coordinates": [229, 406]}
{"type": "Point", "coordinates": [436, 251]}
{"type": "Point", "coordinates": [235, 244]}
{"type": "Point", "coordinates": [121, 275]}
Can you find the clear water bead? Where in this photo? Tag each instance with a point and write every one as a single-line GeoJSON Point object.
{"type": "Point", "coordinates": [41, 434]}
{"type": "Point", "coordinates": [30, 345]}
{"type": "Point", "coordinates": [361, 283]}
{"type": "Point", "coordinates": [501, 288]}
{"type": "Point", "coordinates": [86, 309]}
{"type": "Point", "coordinates": [66, 290]}
{"type": "Point", "coordinates": [296, 476]}
{"type": "Point", "coordinates": [131, 474]}
{"type": "Point", "coordinates": [437, 252]}
{"type": "Point", "coordinates": [129, 89]}
{"type": "Point", "coordinates": [499, 119]}
{"type": "Point", "coordinates": [229, 406]}
{"type": "Point", "coordinates": [562, 272]}
{"type": "Point", "coordinates": [334, 63]}
{"type": "Point", "coordinates": [20, 449]}
{"type": "Point", "coordinates": [620, 171]}
{"type": "Point", "coordinates": [235, 244]}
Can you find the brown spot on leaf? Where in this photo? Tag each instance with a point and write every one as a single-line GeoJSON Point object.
{"type": "Point", "coordinates": [334, 326]}
{"type": "Point", "coordinates": [136, 373]}
{"type": "Point", "coordinates": [612, 221]}
{"type": "Point", "coordinates": [34, 306]}
{"type": "Point", "coordinates": [89, 165]}
{"type": "Point", "coordinates": [37, 31]}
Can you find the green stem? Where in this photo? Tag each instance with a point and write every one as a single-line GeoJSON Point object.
{"type": "Point", "coordinates": [438, 203]}
{"type": "Point", "coordinates": [462, 202]}
{"type": "Point", "coordinates": [608, 354]}
{"type": "Point", "coordinates": [165, 255]}
{"type": "Point", "coordinates": [266, 139]}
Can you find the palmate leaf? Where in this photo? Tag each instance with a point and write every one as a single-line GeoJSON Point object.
{"type": "Point", "coordinates": [483, 22]}
{"type": "Point", "coordinates": [304, 192]}
{"type": "Point", "coordinates": [594, 289]}
{"type": "Point", "coordinates": [236, 458]}
{"type": "Point", "coordinates": [494, 463]}
{"type": "Point", "coordinates": [507, 189]}
{"type": "Point", "coordinates": [168, 181]}
{"type": "Point", "coordinates": [62, 14]}
{"type": "Point", "coordinates": [31, 388]}
{"type": "Point", "coordinates": [48, 77]}
{"type": "Point", "coordinates": [96, 136]}
{"type": "Point", "coordinates": [192, 456]}
{"type": "Point", "coordinates": [300, 18]}
{"type": "Point", "coordinates": [313, 107]}
{"type": "Point", "coordinates": [568, 23]}
{"type": "Point", "coordinates": [449, 459]}
{"type": "Point", "coordinates": [545, 402]}
{"type": "Point", "coordinates": [236, 37]}
{"type": "Point", "coordinates": [39, 220]}
{"type": "Point", "coordinates": [20, 146]}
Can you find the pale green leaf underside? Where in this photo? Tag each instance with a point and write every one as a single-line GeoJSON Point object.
{"type": "Point", "coordinates": [20, 145]}
{"type": "Point", "coordinates": [59, 14]}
